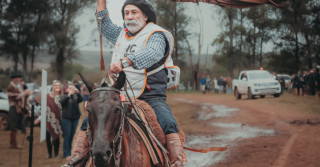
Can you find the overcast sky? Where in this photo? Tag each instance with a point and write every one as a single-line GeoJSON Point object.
{"type": "Point", "coordinates": [88, 27]}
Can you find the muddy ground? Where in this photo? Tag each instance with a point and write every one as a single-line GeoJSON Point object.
{"type": "Point", "coordinates": [269, 132]}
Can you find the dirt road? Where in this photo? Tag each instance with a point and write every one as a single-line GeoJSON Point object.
{"type": "Point", "coordinates": [269, 132]}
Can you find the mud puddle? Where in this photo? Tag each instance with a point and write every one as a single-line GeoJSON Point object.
{"type": "Point", "coordinates": [305, 122]}
{"type": "Point", "coordinates": [232, 133]}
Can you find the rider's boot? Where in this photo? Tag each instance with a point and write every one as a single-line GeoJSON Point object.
{"type": "Point", "coordinates": [13, 140]}
{"type": "Point", "coordinates": [80, 150]}
{"type": "Point", "coordinates": [175, 149]}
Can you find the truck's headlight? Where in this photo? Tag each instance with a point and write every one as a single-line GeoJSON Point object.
{"type": "Point", "coordinates": [276, 83]}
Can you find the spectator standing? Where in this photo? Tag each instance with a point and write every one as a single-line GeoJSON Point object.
{"type": "Point", "coordinates": [208, 86]}
{"type": "Point", "coordinates": [203, 82]}
{"type": "Point", "coordinates": [306, 86]}
{"type": "Point", "coordinates": [312, 82]}
{"type": "Point", "coordinates": [17, 101]}
{"type": "Point", "coordinates": [220, 84]}
{"type": "Point", "coordinates": [282, 83]}
{"type": "Point", "coordinates": [302, 85]}
{"type": "Point", "coordinates": [224, 84]}
{"type": "Point", "coordinates": [318, 79]}
{"type": "Point", "coordinates": [293, 85]}
{"type": "Point", "coordinates": [274, 75]}
{"type": "Point", "coordinates": [26, 113]}
{"type": "Point", "coordinates": [216, 86]}
{"type": "Point", "coordinates": [54, 109]}
{"type": "Point", "coordinates": [70, 117]}
{"type": "Point", "coordinates": [298, 83]}
{"type": "Point", "coordinates": [229, 85]}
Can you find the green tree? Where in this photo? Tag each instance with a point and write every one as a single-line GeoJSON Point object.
{"type": "Point", "coordinates": [225, 41]}
{"type": "Point", "coordinates": [22, 29]}
{"type": "Point", "coordinates": [241, 45]}
{"type": "Point", "coordinates": [315, 13]}
{"type": "Point", "coordinates": [292, 21]}
{"type": "Point", "coordinates": [172, 17]}
{"type": "Point", "coordinates": [259, 32]}
{"type": "Point", "coordinates": [64, 30]}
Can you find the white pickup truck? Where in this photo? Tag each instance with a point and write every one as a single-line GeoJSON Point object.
{"type": "Point", "coordinates": [4, 111]}
{"type": "Point", "coordinates": [255, 83]}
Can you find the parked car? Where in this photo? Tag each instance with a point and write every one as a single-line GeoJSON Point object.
{"type": "Point", "coordinates": [4, 110]}
{"type": "Point", "coordinates": [255, 83]}
{"type": "Point", "coordinates": [287, 79]}
{"type": "Point", "coordinates": [32, 86]}
{"type": "Point", "coordinates": [181, 87]}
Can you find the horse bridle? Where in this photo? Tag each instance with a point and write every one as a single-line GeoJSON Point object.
{"type": "Point", "coordinates": [118, 138]}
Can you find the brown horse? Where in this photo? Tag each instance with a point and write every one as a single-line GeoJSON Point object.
{"type": "Point", "coordinates": [107, 125]}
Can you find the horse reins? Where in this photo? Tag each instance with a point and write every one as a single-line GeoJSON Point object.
{"type": "Point", "coordinates": [165, 152]}
{"type": "Point", "coordinates": [118, 138]}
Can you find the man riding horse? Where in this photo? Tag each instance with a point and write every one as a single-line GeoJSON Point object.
{"type": "Point", "coordinates": [143, 51]}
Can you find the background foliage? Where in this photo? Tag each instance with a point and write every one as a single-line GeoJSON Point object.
{"type": "Point", "coordinates": [281, 40]}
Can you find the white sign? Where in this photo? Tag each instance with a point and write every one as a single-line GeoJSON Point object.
{"type": "Point", "coordinates": [43, 106]}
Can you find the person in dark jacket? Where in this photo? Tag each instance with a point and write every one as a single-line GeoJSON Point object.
{"type": "Point", "coordinates": [203, 82]}
{"type": "Point", "coordinates": [70, 117]}
{"type": "Point", "coordinates": [298, 83]}
{"type": "Point", "coordinates": [282, 83]}
{"type": "Point", "coordinates": [224, 84]}
{"type": "Point", "coordinates": [220, 83]}
{"type": "Point", "coordinates": [318, 79]}
{"type": "Point", "coordinates": [312, 79]}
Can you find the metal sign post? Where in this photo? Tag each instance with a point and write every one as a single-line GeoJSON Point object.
{"type": "Point", "coordinates": [30, 138]}
{"type": "Point", "coordinates": [43, 106]}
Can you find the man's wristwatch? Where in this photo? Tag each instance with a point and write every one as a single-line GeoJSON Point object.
{"type": "Point", "coordinates": [124, 63]}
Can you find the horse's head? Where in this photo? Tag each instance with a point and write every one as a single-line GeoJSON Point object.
{"type": "Point", "coordinates": [104, 109]}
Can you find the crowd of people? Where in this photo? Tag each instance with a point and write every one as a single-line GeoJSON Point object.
{"type": "Point", "coordinates": [306, 83]}
{"type": "Point", "coordinates": [62, 113]}
{"type": "Point", "coordinates": [222, 84]}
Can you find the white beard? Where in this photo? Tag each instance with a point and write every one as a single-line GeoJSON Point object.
{"type": "Point", "coordinates": [134, 25]}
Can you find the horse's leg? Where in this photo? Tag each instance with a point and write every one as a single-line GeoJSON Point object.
{"type": "Point", "coordinates": [134, 152]}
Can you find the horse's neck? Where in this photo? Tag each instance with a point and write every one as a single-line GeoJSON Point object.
{"type": "Point", "coordinates": [134, 152]}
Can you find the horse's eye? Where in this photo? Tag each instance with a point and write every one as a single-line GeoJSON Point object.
{"type": "Point", "coordinates": [117, 109]}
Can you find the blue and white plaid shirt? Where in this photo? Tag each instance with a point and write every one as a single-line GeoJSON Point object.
{"type": "Point", "coordinates": [155, 47]}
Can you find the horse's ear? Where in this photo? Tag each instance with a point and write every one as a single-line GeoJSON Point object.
{"type": "Point", "coordinates": [89, 84]}
{"type": "Point", "coordinates": [121, 80]}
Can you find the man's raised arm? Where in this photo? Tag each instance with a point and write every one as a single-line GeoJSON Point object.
{"type": "Point", "coordinates": [101, 5]}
